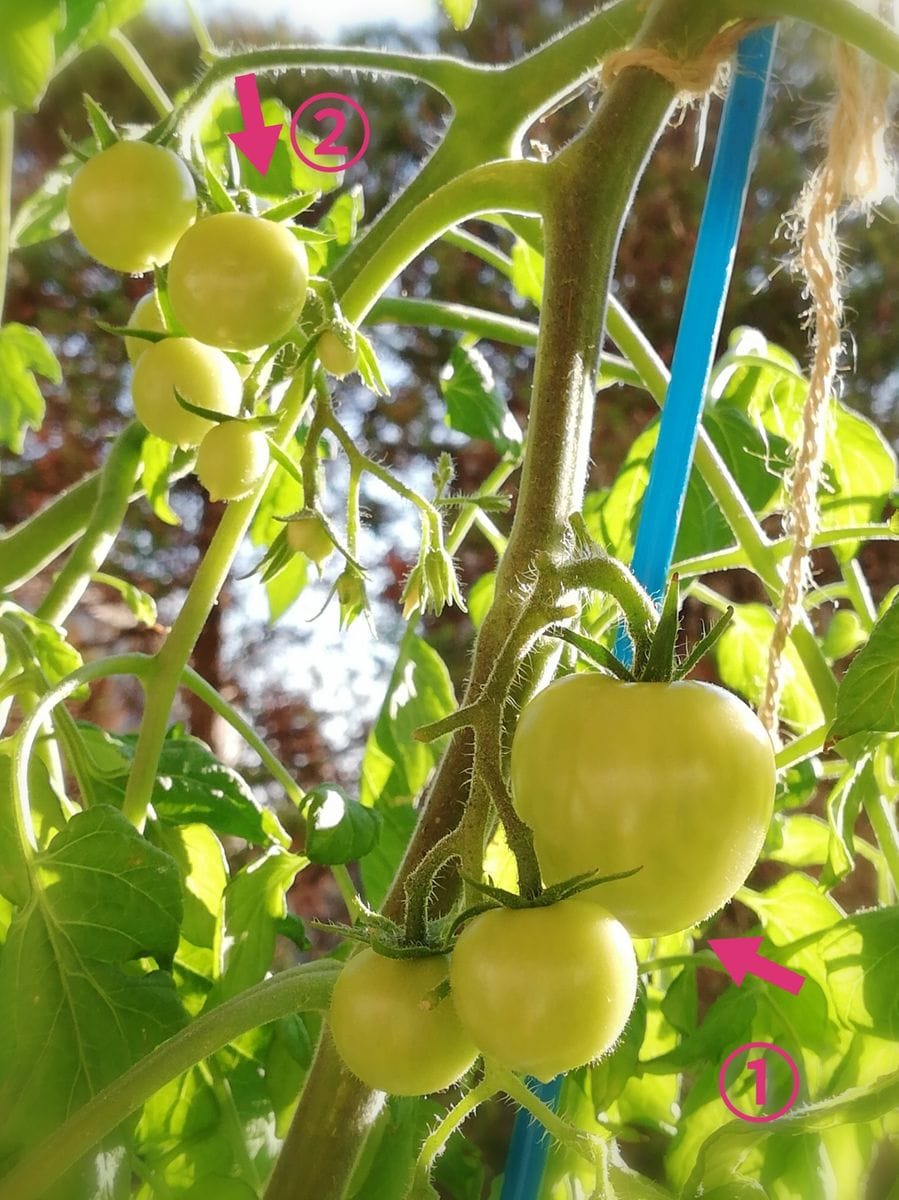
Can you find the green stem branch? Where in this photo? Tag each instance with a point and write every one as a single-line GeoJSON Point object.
{"type": "Point", "coordinates": [203, 593]}
{"type": "Point", "coordinates": [127, 56]}
{"type": "Point", "coordinates": [116, 485]}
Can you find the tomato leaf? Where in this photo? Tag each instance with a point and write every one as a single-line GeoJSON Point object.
{"type": "Point", "coordinates": [192, 786]}
{"type": "Point", "coordinates": [23, 354]}
{"type": "Point", "coordinates": [42, 215]}
{"type": "Point", "coordinates": [27, 51]}
{"type": "Point", "coordinates": [142, 606]}
{"type": "Point", "coordinates": [861, 955]}
{"type": "Point", "coordinates": [727, 1148]}
{"type": "Point", "coordinates": [473, 406]}
{"type": "Point", "coordinates": [156, 459]}
{"type": "Point", "coordinates": [76, 1007]}
{"type": "Point", "coordinates": [338, 829]}
{"type": "Point", "coordinates": [528, 270]}
{"type": "Point", "coordinates": [396, 767]}
{"type": "Point", "coordinates": [742, 656]}
{"type": "Point", "coordinates": [90, 21]}
{"type": "Point", "coordinates": [253, 906]}
{"type": "Point", "coordinates": [868, 699]}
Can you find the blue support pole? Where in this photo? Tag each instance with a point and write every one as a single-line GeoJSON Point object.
{"type": "Point", "coordinates": [691, 365]}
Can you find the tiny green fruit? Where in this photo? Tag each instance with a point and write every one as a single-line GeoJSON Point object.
{"type": "Point", "coordinates": [307, 534]}
{"type": "Point", "coordinates": [335, 356]}
{"type": "Point", "coordinates": [232, 459]}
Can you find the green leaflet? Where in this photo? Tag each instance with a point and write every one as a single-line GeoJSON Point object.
{"type": "Point", "coordinates": [728, 1147]}
{"type": "Point", "coordinates": [868, 699]}
{"type": "Point", "coordinates": [396, 767]}
{"type": "Point", "coordinates": [78, 1001]}
{"type": "Point", "coordinates": [24, 354]}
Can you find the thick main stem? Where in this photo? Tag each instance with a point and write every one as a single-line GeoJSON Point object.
{"type": "Point", "coordinates": [583, 226]}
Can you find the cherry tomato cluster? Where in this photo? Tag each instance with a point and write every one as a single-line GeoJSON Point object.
{"type": "Point", "coordinates": [676, 779]}
{"type": "Point", "coordinates": [235, 283]}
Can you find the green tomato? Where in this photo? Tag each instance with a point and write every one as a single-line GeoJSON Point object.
{"type": "Point", "coordinates": [200, 374]}
{"type": "Point", "coordinates": [232, 459]}
{"type": "Point", "coordinates": [307, 534]}
{"type": "Point", "coordinates": [845, 633]}
{"type": "Point", "coordinates": [238, 282]}
{"type": "Point", "coordinates": [145, 315]}
{"type": "Point", "coordinates": [335, 356]}
{"type": "Point", "coordinates": [674, 778]}
{"type": "Point", "coordinates": [544, 990]}
{"type": "Point", "coordinates": [130, 204]}
{"type": "Point", "coordinates": [387, 1036]}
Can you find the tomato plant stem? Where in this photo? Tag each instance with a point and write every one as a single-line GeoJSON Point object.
{"type": "Point", "coordinates": [126, 55]}
{"type": "Point", "coordinates": [209, 695]}
{"type": "Point", "coordinates": [202, 595]}
{"type": "Point", "coordinates": [300, 989]}
{"type": "Point", "coordinates": [117, 482]}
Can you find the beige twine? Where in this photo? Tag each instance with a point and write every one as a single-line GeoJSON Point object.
{"type": "Point", "coordinates": [857, 169]}
{"type": "Point", "coordinates": [690, 78]}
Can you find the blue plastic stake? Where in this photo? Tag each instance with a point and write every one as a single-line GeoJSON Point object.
{"type": "Point", "coordinates": [691, 366]}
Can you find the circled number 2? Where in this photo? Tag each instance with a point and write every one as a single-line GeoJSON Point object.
{"type": "Point", "coordinates": [329, 144]}
{"type": "Point", "coordinates": [322, 107]}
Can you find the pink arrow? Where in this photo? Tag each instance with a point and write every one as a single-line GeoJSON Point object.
{"type": "Point", "coordinates": [256, 140]}
{"type": "Point", "coordinates": [740, 957]}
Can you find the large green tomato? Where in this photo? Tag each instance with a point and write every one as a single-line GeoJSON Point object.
{"type": "Point", "coordinates": [238, 282]}
{"type": "Point", "coordinates": [130, 204]}
{"type": "Point", "coordinates": [200, 374]}
{"type": "Point", "coordinates": [675, 778]}
{"type": "Point", "coordinates": [386, 1035]}
{"type": "Point", "coordinates": [232, 458]}
{"type": "Point", "coordinates": [544, 990]}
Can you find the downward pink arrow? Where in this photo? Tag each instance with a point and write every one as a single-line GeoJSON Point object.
{"type": "Point", "coordinates": [256, 140]}
{"type": "Point", "coordinates": [741, 957]}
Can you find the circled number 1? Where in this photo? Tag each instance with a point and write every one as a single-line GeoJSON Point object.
{"type": "Point", "coordinates": [329, 144]}
{"type": "Point", "coordinates": [758, 1068]}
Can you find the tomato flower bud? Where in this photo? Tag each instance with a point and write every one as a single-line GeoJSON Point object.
{"type": "Point", "coordinates": [351, 596]}
{"type": "Point", "coordinates": [441, 587]}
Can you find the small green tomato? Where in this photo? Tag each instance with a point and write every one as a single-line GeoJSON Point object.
{"type": "Point", "coordinates": [335, 356]}
{"type": "Point", "coordinates": [130, 204]}
{"type": "Point", "coordinates": [238, 282]}
{"type": "Point", "coordinates": [307, 534]}
{"type": "Point", "coordinates": [199, 373]}
{"type": "Point", "coordinates": [232, 459]}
